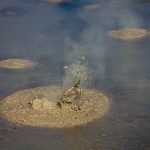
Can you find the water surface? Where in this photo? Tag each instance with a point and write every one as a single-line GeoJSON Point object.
{"type": "Point", "coordinates": [53, 35]}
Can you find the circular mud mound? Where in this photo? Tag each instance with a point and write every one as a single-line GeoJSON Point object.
{"type": "Point", "coordinates": [45, 112]}
{"type": "Point", "coordinates": [16, 64]}
{"type": "Point", "coordinates": [92, 7]}
{"type": "Point", "coordinates": [129, 34]}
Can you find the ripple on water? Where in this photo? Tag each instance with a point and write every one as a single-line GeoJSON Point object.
{"type": "Point", "coordinates": [13, 11]}
{"type": "Point", "coordinates": [56, 1]}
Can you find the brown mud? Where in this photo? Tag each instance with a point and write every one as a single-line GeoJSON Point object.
{"type": "Point", "coordinates": [16, 64]}
{"type": "Point", "coordinates": [92, 7]}
{"type": "Point", "coordinates": [44, 111]}
{"type": "Point", "coordinates": [129, 34]}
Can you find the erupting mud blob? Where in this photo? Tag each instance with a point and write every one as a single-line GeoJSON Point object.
{"type": "Point", "coordinates": [129, 34]}
{"type": "Point", "coordinates": [16, 64]}
{"type": "Point", "coordinates": [92, 7]}
{"type": "Point", "coordinates": [38, 107]}
{"type": "Point", "coordinates": [13, 11]}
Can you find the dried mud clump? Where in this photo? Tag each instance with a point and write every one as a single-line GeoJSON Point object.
{"type": "Point", "coordinates": [92, 7]}
{"type": "Point", "coordinates": [16, 64]}
{"type": "Point", "coordinates": [38, 107]}
{"type": "Point", "coordinates": [129, 34]}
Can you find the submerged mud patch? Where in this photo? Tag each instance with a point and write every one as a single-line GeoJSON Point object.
{"type": "Point", "coordinates": [92, 6]}
{"type": "Point", "coordinates": [56, 1]}
{"type": "Point", "coordinates": [129, 34]}
{"type": "Point", "coordinates": [16, 64]}
{"type": "Point", "coordinates": [44, 112]}
{"type": "Point", "coordinates": [13, 11]}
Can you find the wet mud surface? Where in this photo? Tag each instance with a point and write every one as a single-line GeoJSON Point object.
{"type": "Point", "coordinates": [16, 64]}
{"type": "Point", "coordinates": [129, 34]}
{"type": "Point", "coordinates": [92, 6]}
{"type": "Point", "coordinates": [16, 108]}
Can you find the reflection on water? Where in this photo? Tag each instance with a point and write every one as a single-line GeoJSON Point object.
{"type": "Point", "coordinates": [120, 69]}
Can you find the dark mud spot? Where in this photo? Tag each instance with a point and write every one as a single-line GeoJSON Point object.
{"type": "Point", "coordinates": [13, 11]}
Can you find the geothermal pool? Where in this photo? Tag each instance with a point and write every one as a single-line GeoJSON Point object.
{"type": "Point", "coordinates": [49, 36]}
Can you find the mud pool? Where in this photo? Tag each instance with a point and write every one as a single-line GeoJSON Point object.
{"type": "Point", "coordinates": [53, 35]}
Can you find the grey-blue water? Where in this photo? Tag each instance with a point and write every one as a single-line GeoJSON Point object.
{"type": "Point", "coordinates": [54, 35]}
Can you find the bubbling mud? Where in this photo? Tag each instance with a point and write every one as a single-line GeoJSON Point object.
{"type": "Point", "coordinates": [38, 107]}
{"type": "Point", "coordinates": [92, 7]}
{"type": "Point", "coordinates": [16, 64]}
{"type": "Point", "coordinates": [129, 34]}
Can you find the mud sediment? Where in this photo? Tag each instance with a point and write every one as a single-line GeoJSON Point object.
{"type": "Point", "coordinates": [16, 64]}
{"type": "Point", "coordinates": [129, 34]}
{"type": "Point", "coordinates": [92, 7]}
{"type": "Point", "coordinates": [16, 108]}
